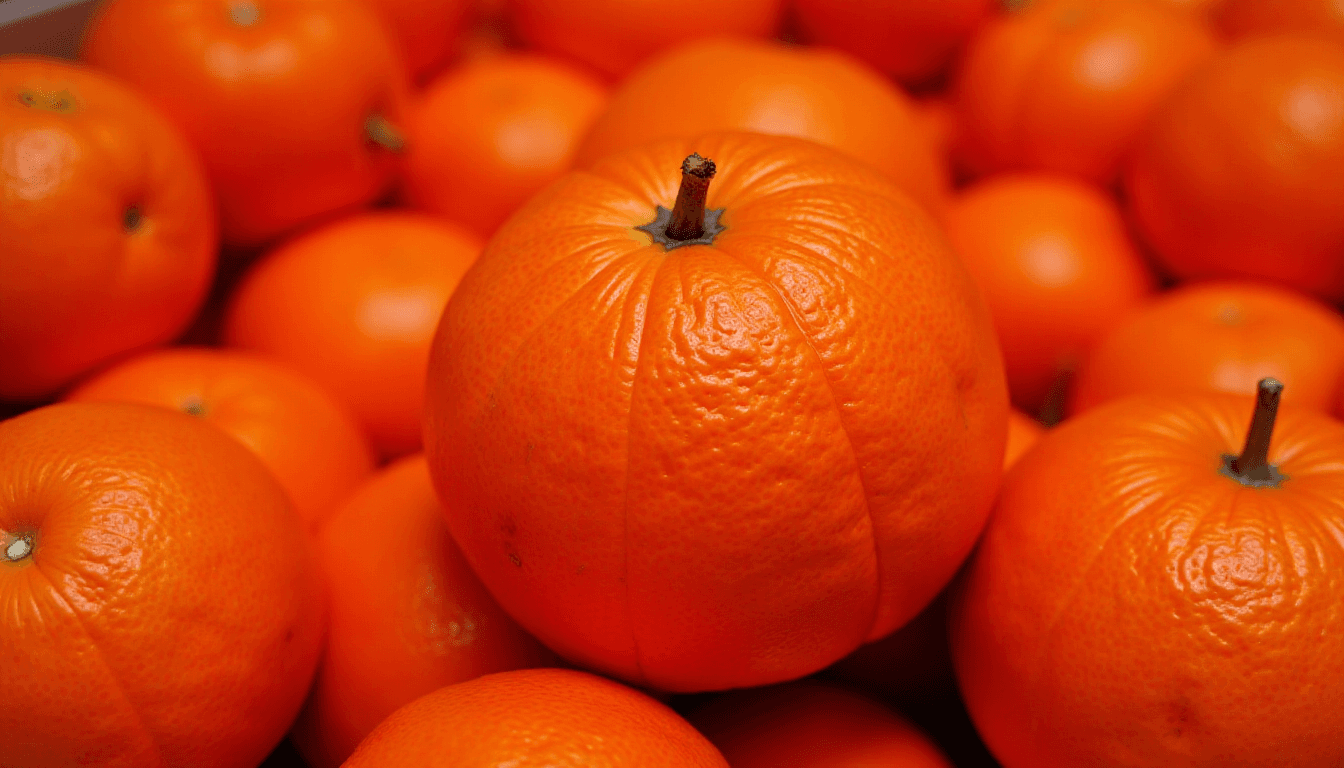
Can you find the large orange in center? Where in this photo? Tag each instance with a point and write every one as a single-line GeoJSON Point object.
{"type": "Point", "coordinates": [722, 461]}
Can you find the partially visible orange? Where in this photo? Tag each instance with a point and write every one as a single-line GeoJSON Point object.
{"type": "Point", "coordinates": [1023, 432]}
{"type": "Point", "coordinates": [1246, 18]}
{"type": "Point", "coordinates": [354, 306]}
{"type": "Point", "coordinates": [304, 436]}
{"type": "Point", "coordinates": [428, 30]}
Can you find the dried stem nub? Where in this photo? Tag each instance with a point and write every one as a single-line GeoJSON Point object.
{"type": "Point", "coordinates": [688, 213]}
{"type": "Point", "coordinates": [1252, 466]}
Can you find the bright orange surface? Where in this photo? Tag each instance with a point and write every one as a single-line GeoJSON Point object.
{"type": "Point", "coordinates": [719, 465]}
{"type": "Point", "coordinates": [427, 30]}
{"type": "Point", "coordinates": [168, 611]}
{"type": "Point", "coordinates": [1247, 18]}
{"type": "Point", "coordinates": [78, 286]}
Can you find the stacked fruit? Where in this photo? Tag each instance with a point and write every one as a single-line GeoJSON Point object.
{"type": "Point", "coordinates": [506, 385]}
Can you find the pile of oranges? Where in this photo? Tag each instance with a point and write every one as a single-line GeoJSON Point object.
{"type": "Point", "coordinates": [679, 383]}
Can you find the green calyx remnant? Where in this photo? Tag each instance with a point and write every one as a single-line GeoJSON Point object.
{"type": "Point", "coordinates": [244, 13]}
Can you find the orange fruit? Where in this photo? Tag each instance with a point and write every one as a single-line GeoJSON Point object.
{"type": "Point", "coordinates": [615, 36]}
{"type": "Point", "coordinates": [296, 106]}
{"type": "Point", "coordinates": [911, 40]}
{"type": "Point", "coordinates": [427, 30]}
{"type": "Point", "coordinates": [161, 605]}
{"type": "Point", "coordinates": [1246, 18]}
{"type": "Point", "coordinates": [726, 463]}
{"type": "Point", "coordinates": [1023, 432]}
{"type": "Point", "coordinates": [1219, 337]}
{"type": "Point", "coordinates": [1067, 85]}
{"type": "Point", "coordinates": [387, 550]}
{"type": "Point", "coordinates": [1155, 589]}
{"type": "Point", "coordinates": [1057, 267]}
{"type": "Point", "coordinates": [536, 717]}
{"type": "Point", "coordinates": [769, 87]}
{"type": "Point", "coordinates": [1241, 173]}
{"type": "Point", "coordinates": [106, 220]}
{"type": "Point", "coordinates": [812, 724]}
{"type": "Point", "coordinates": [354, 306]}
{"type": "Point", "coordinates": [309, 441]}
{"type": "Point", "coordinates": [488, 135]}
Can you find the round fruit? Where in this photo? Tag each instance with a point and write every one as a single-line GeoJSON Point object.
{"type": "Point", "coordinates": [536, 717]}
{"type": "Point", "coordinates": [812, 724]}
{"type": "Point", "coordinates": [161, 605]}
{"type": "Point", "coordinates": [106, 221]}
{"type": "Point", "coordinates": [769, 87]}
{"type": "Point", "coordinates": [911, 40]}
{"type": "Point", "coordinates": [309, 441]}
{"type": "Point", "coordinates": [614, 36]}
{"type": "Point", "coordinates": [1056, 265]}
{"type": "Point", "coordinates": [387, 550]}
{"type": "Point", "coordinates": [1246, 18]}
{"type": "Point", "coordinates": [1023, 432]}
{"type": "Point", "coordinates": [1160, 586]}
{"type": "Point", "coordinates": [1067, 85]}
{"type": "Point", "coordinates": [354, 305]}
{"type": "Point", "coordinates": [1241, 173]}
{"type": "Point", "coordinates": [294, 105]}
{"type": "Point", "coordinates": [719, 445]}
{"type": "Point", "coordinates": [1220, 337]}
{"type": "Point", "coordinates": [490, 134]}
{"type": "Point", "coordinates": [427, 30]}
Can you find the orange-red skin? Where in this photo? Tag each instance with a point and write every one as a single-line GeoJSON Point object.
{"type": "Point", "coordinates": [354, 306]}
{"type": "Point", "coordinates": [819, 94]}
{"type": "Point", "coordinates": [814, 724]}
{"type": "Point", "coordinates": [1218, 337]}
{"type": "Point", "coordinates": [1241, 173]}
{"type": "Point", "coordinates": [428, 31]}
{"type": "Point", "coordinates": [276, 109]}
{"type": "Point", "coordinates": [1129, 604]}
{"type": "Point", "coordinates": [78, 289]}
{"type": "Point", "coordinates": [536, 717]}
{"type": "Point", "coordinates": [169, 612]}
{"type": "Point", "coordinates": [387, 550]}
{"type": "Point", "coordinates": [1247, 18]}
{"type": "Point", "coordinates": [488, 135]}
{"type": "Point", "coordinates": [1057, 266]}
{"type": "Point", "coordinates": [1067, 85]}
{"type": "Point", "coordinates": [309, 441]}
{"type": "Point", "coordinates": [618, 432]}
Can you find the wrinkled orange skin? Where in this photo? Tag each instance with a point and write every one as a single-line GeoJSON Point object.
{"type": "Point", "coordinates": [276, 109]}
{"type": "Point", "coordinates": [1130, 605]}
{"type": "Point", "coordinates": [769, 87]}
{"type": "Point", "coordinates": [812, 724]}
{"type": "Point", "coordinates": [310, 442]}
{"type": "Point", "coordinates": [1067, 85]}
{"type": "Point", "coordinates": [354, 306]}
{"type": "Point", "coordinates": [1219, 337]}
{"type": "Point", "coordinates": [388, 549]}
{"type": "Point", "coordinates": [1057, 267]}
{"type": "Point", "coordinates": [487, 136]}
{"type": "Point", "coordinates": [911, 40]}
{"type": "Point", "coordinates": [616, 36]}
{"type": "Point", "coordinates": [169, 613]}
{"type": "Point", "coordinates": [536, 717]}
{"type": "Point", "coordinates": [1241, 173]}
{"type": "Point", "coordinates": [1247, 18]}
{"type": "Point", "coordinates": [725, 465]}
{"type": "Point", "coordinates": [78, 288]}
{"type": "Point", "coordinates": [427, 30]}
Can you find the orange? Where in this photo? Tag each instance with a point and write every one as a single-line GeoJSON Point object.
{"type": "Point", "coordinates": [1246, 18]}
{"type": "Point", "coordinates": [107, 225]}
{"type": "Point", "coordinates": [1067, 85]}
{"type": "Point", "coordinates": [161, 605]}
{"type": "Point", "coordinates": [1023, 432]}
{"type": "Point", "coordinates": [1220, 337]}
{"type": "Point", "coordinates": [309, 441]}
{"type": "Point", "coordinates": [615, 36]}
{"type": "Point", "coordinates": [1155, 589]}
{"type": "Point", "coordinates": [387, 550]}
{"type": "Point", "coordinates": [1241, 172]}
{"type": "Point", "coordinates": [296, 106]}
{"type": "Point", "coordinates": [354, 306]}
{"type": "Point", "coordinates": [812, 724]}
{"type": "Point", "coordinates": [1057, 267]}
{"type": "Point", "coordinates": [536, 717]}
{"type": "Point", "coordinates": [911, 40]}
{"type": "Point", "coordinates": [427, 30]}
{"type": "Point", "coordinates": [488, 135]}
{"type": "Point", "coordinates": [719, 462]}
{"type": "Point", "coordinates": [769, 87]}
